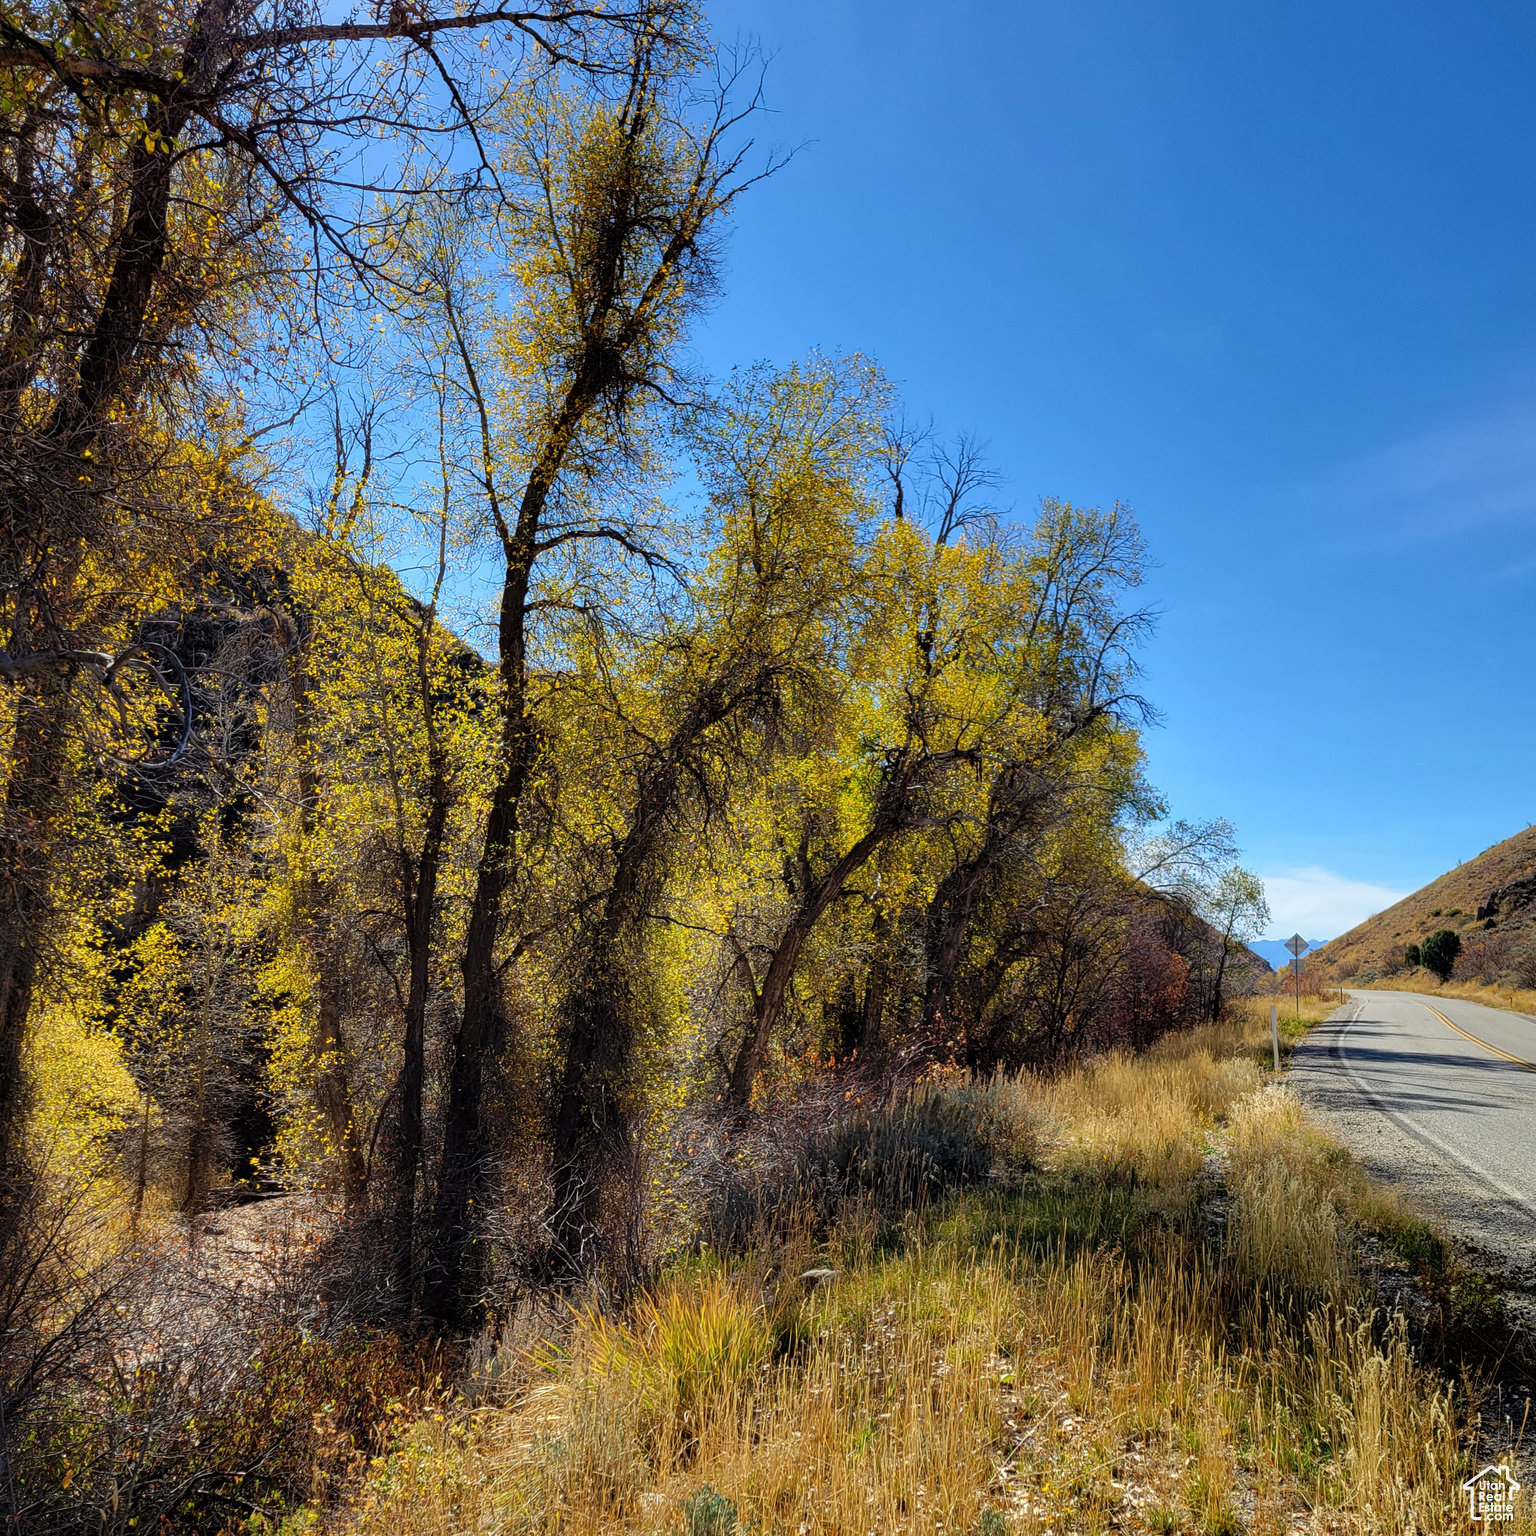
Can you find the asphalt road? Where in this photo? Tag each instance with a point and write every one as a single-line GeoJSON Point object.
{"type": "Point", "coordinates": [1437, 1096]}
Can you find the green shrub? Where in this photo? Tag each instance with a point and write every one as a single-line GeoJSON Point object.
{"type": "Point", "coordinates": [1422, 1247]}
{"type": "Point", "coordinates": [1439, 951]}
{"type": "Point", "coordinates": [930, 1142]}
{"type": "Point", "coordinates": [180, 1443]}
{"type": "Point", "coordinates": [1411, 955]}
{"type": "Point", "coordinates": [707, 1513]}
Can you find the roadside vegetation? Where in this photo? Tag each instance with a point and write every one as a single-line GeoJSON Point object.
{"type": "Point", "coordinates": [1151, 1315]}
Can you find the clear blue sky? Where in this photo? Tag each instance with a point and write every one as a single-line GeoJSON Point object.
{"type": "Point", "coordinates": [1268, 274]}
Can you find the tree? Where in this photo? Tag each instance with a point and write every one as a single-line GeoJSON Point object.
{"type": "Point", "coordinates": [1194, 865]}
{"type": "Point", "coordinates": [1051, 675]}
{"type": "Point", "coordinates": [180, 221]}
{"type": "Point", "coordinates": [1439, 951]}
{"type": "Point", "coordinates": [1236, 907]}
{"type": "Point", "coordinates": [612, 255]}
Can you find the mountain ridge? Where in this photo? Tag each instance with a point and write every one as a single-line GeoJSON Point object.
{"type": "Point", "coordinates": [1277, 955]}
{"type": "Point", "coordinates": [1489, 901]}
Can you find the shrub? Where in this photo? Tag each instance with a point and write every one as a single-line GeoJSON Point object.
{"type": "Point", "coordinates": [707, 1513]}
{"type": "Point", "coordinates": [1484, 958]}
{"type": "Point", "coordinates": [1411, 956]}
{"type": "Point", "coordinates": [947, 1132]}
{"type": "Point", "coordinates": [1439, 951]}
{"type": "Point", "coordinates": [928, 1143]}
{"type": "Point", "coordinates": [1525, 969]}
{"type": "Point", "coordinates": [188, 1437]}
{"type": "Point", "coordinates": [1421, 1247]}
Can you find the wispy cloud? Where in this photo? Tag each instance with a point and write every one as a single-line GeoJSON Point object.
{"type": "Point", "coordinates": [1319, 904]}
{"type": "Point", "coordinates": [1454, 474]}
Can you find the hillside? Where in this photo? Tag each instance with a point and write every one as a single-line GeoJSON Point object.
{"type": "Point", "coordinates": [1490, 901]}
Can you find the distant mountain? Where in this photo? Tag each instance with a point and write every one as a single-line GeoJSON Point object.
{"type": "Point", "coordinates": [1490, 901]}
{"type": "Point", "coordinates": [1275, 952]}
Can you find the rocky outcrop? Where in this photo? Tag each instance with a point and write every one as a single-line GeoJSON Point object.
{"type": "Point", "coordinates": [1505, 900]}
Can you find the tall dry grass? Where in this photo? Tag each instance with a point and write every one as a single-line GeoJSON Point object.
{"type": "Point", "coordinates": [1161, 1326]}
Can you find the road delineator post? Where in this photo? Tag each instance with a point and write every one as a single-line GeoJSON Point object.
{"type": "Point", "coordinates": [1274, 1033]}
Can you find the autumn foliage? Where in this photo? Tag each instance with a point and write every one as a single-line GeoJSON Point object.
{"type": "Point", "coordinates": [456, 756]}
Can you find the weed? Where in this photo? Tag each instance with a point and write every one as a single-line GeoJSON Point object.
{"type": "Point", "coordinates": [707, 1513]}
{"type": "Point", "coordinates": [1287, 1238]}
{"type": "Point", "coordinates": [1222, 1522]}
{"type": "Point", "coordinates": [1421, 1247]}
{"type": "Point", "coordinates": [685, 1356]}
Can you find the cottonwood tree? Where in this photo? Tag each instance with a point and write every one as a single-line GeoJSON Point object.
{"type": "Point", "coordinates": [887, 693]}
{"type": "Point", "coordinates": [179, 216]}
{"type": "Point", "coordinates": [1049, 667]}
{"type": "Point", "coordinates": [756, 635]}
{"type": "Point", "coordinates": [366, 786]}
{"type": "Point", "coordinates": [620, 202]}
{"type": "Point", "coordinates": [1194, 865]}
{"type": "Point", "coordinates": [988, 680]}
{"type": "Point", "coordinates": [1237, 909]}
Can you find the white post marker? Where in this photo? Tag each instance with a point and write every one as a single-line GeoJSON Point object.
{"type": "Point", "coordinates": [1274, 1032]}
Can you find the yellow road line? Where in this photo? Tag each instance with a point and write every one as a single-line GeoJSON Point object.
{"type": "Point", "coordinates": [1518, 1061]}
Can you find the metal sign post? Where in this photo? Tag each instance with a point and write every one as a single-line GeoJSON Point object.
{"type": "Point", "coordinates": [1296, 944]}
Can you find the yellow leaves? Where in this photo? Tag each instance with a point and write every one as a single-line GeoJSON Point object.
{"type": "Point", "coordinates": [82, 1094]}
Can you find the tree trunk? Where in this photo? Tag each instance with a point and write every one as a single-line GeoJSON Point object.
{"type": "Point", "coordinates": [333, 1088]}
{"type": "Point", "coordinates": [453, 1282]}
{"type": "Point", "coordinates": [592, 1139]}
{"type": "Point", "coordinates": [31, 799]}
{"type": "Point", "coordinates": [420, 890]}
{"type": "Point", "coordinates": [333, 1085]}
{"type": "Point", "coordinates": [948, 926]}
{"type": "Point", "coordinates": [197, 1141]}
{"type": "Point", "coordinates": [1221, 976]}
{"type": "Point", "coordinates": [1017, 799]}
{"type": "Point", "coordinates": [873, 1009]}
{"type": "Point", "coordinates": [454, 1279]}
{"type": "Point", "coordinates": [816, 897]}
{"type": "Point", "coordinates": [613, 324]}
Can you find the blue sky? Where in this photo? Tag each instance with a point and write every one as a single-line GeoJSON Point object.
{"type": "Point", "coordinates": [1267, 273]}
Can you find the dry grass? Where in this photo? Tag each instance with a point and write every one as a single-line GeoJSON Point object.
{"type": "Point", "coordinates": [1160, 1328]}
{"type": "Point", "coordinates": [1516, 999]}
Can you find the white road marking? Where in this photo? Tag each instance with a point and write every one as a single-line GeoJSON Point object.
{"type": "Point", "coordinates": [1419, 1133]}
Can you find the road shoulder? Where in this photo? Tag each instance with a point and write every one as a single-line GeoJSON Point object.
{"type": "Point", "coordinates": [1497, 1236]}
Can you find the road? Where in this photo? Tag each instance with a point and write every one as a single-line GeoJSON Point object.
{"type": "Point", "coordinates": [1436, 1096]}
